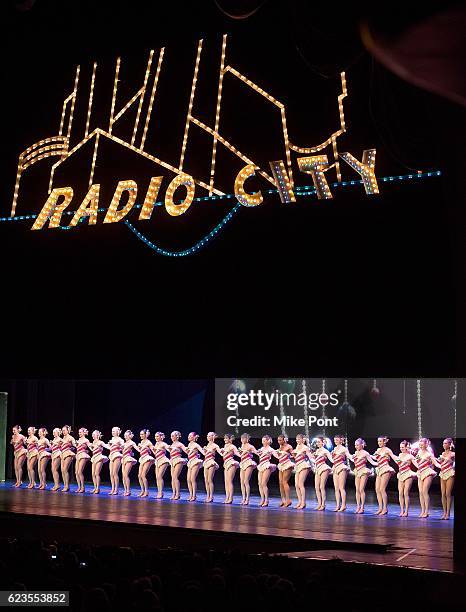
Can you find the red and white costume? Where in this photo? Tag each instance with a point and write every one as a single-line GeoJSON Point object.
{"type": "Point", "coordinates": [229, 457]}
{"type": "Point", "coordinates": [43, 448]}
{"type": "Point", "coordinates": [160, 453]}
{"type": "Point", "coordinates": [209, 458]}
{"type": "Point", "coordinates": [194, 457]}
{"type": "Point", "coordinates": [404, 467]}
{"type": "Point", "coordinates": [246, 460]}
{"type": "Point", "coordinates": [97, 453]}
{"type": "Point", "coordinates": [67, 448]}
{"type": "Point", "coordinates": [116, 448]}
{"type": "Point", "coordinates": [302, 461]}
{"type": "Point", "coordinates": [284, 460]}
{"type": "Point", "coordinates": [145, 453]}
{"type": "Point", "coordinates": [128, 453]}
{"type": "Point", "coordinates": [447, 468]}
{"type": "Point", "coordinates": [32, 448]}
{"type": "Point", "coordinates": [424, 465]}
{"type": "Point", "coordinates": [320, 461]}
{"type": "Point", "coordinates": [56, 448]}
{"type": "Point", "coordinates": [383, 459]}
{"type": "Point", "coordinates": [175, 456]}
{"type": "Point", "coordinates": [339, 460]}
{"type": "Point", "coordinates": [18, 447]}
{"type": "Point", "coordinates": [360, 464]}
{"type": "Point", "coordinates": [82, 449]}
{"type": "Point", "coordinates": [265, 454]}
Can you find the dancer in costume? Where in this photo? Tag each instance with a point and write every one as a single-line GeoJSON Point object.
{"type": "Point", "coordinates": [210, 465]}
{"type": "Point", "coordinates": [383, 473]}
{"type": "Point", "coordinates": [230, 466]}
{"type": "Point", "coordinates": [116, 455]}
{"type": "Point", "coordinates": [146, 459]}
{"type": "Point", "coordinates": [83, 445]}
{"type": "Point", "coordinates": [32, 454]}
{"type": "Point", "coordinates": [162, 462]}
{"type": "Point", "coordinates": [44, 457]}
{"type": "Point", "coordinates": [405, 461]}
{"type": "Point", "coordinates": [340, 470]}
{"type": "Point", "coordinates": [446, 463]}
{"type": "Point", "coordinates": [425, 474]}
{"type": "Point", "coordinates": [361, 472]}
{"type": "Point", "coordinates": [98, 458]}
{"type": "Point", "coordinates": [194, 451]}
{"type": "Point", "coordinates": [128, 460]}
{"type": "Point", "coordinates": [322, 471]}
{"type": "Point", "coordinates": [303, 457]}
{"type": "Point", "coordinates": [56, 457]}
{"type": "Point", "coordinates": [176, 462]}
{"type": "Point", "coordinates": [68, 449]}
{"type": "Point", "coordinates": [18, 442]}
{"type": "Point", "coordinates": [285, 469]}
{"type": "Point", "coordinates": [265, 468]}
{"type": "Point", "coordinates": [246, 467]}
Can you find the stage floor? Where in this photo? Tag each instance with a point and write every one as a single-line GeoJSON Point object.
{"type": "Point", "coordinates": [388, 540]}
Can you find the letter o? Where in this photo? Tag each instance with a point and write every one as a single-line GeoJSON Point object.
{"type": "Point", "coordinates": [178, 209]}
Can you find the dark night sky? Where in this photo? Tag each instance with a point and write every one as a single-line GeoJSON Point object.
{"type": "Point", "coordinates": [355, 287]}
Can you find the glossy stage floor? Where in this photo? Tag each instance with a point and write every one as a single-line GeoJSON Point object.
{"type": "Point", "coordinates": [104, 519]}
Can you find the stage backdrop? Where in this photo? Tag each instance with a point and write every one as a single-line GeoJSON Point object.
{"type": "Point", "coordinates": [156, 404]}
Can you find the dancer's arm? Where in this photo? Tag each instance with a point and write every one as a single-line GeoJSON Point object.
{"type": "Point", "coordinates": [371, 460]}
{"type": "Point", "coordinates": [348, 455]}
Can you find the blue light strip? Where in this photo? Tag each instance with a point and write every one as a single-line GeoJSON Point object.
{"type": "Point", "coordinates": [305, 190]}
{"type": "Point", "coordinates": [196, 247]}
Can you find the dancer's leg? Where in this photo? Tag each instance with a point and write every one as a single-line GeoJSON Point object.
{"type": "Point", "coordinates": [337, 492]}
{"type": "Point", "coordinates": [449, 488]}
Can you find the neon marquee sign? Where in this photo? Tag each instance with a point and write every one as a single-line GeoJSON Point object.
{"type": "Point", "coordinates": [315, 161]}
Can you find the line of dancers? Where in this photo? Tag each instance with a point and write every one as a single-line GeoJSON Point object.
{"type": "Point", "coordinates": [412, 462]}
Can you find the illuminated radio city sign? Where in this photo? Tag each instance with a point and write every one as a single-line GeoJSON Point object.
{"type": "Point", "coordinates": [60, 210]}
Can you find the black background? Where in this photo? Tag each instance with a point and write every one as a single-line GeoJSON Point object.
{"type": "Point", "coordinates": [357, 286]}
